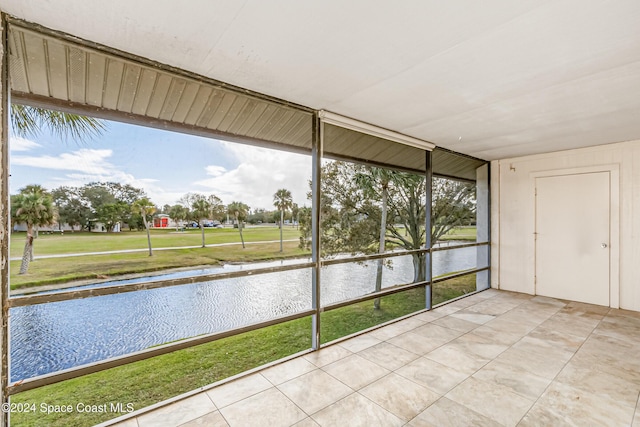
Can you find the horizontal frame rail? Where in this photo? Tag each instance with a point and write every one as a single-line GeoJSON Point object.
{"type": "Point", "coordinates": [152, 284]}
{"type": "Point", "coordinates": [464, 245]}
{"type": "Point", "coordinates": [67, 374]}
{"type": "Point", "coordinates": [396, 289]}
{"type": "Point", "coordinates": [374, 295]}
{"type": "Point", "coordinates": [360, 258]}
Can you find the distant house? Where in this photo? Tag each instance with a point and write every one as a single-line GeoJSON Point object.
{"type": "Point", "coordinates": [163, 221]}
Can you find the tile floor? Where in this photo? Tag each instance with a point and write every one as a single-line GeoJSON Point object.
{"type": "Point", "coordinates": [493, 359]}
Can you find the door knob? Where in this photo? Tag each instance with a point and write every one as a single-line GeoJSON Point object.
{"type": "Point", "coordinates": [603, 245]}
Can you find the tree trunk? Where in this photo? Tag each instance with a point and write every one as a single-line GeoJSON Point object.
{"type": "Point", "coordinates": [383, 234]}
{"type": "Point", "coordinates": [418, 267]}
{"type": "Point", "coordinates": [146, 226]}
{"type": "Point", "coordinates": [28, 252]}
{"type": "Point", "coordinates": [281, 222]}
{"type": "Point", "coordinates": [240, 230]}
{"type": "Point", "coordinates": [202, 231]}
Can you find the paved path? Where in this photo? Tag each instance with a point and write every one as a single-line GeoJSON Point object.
{"type": "Point", "coordinates": [124, 251]}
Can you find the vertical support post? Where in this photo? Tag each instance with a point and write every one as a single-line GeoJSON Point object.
{"type": "Point", "coordinates": [428, 185]}
{"type": "Point", "coordinates": [4, 218]}
{"type": "Point", "coordinates": [316, 159]}
{"type": "Point", "coordinates": [482, 225]}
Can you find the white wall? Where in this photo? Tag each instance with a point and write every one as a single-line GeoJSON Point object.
{"type": "Point", "coordinates": [513, 205]}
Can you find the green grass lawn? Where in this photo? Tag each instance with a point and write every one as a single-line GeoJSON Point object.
{"type": "Point", "coordinates": [82, 242]}
{"type": "Point", "coordinates": [460, 233]}
{"type": "Point", "coordinates": [153, 380]}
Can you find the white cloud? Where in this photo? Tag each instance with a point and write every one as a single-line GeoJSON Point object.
{"type": "Point", "coordinates": [260, 173]}
{"type": "Point", "coordinates": [88, 165]}
{"type": "Point", "coordinates": [84, 160]}
{"type": "Point", "coordinates": [17, 143]}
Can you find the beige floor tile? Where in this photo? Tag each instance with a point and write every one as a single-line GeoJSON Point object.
{"type": "Point", "coordinates": [477, 318]}
{"type": "Point", "coordinates": [615, 330]}
{"type": "Point", "coordinates": [269, 408]}
{"type": "Point", "coordinates": [573, 325]}
{"type": "Point", "coordinates": [492, 307]}
{"type": "Point", "coordinates": [517, 379]}
{"type": "Point", "coordinates": [396, 329]}
{"type": "Point", "coordinates": [546, 367]}
{"type": "Point", "coordinates": [447, 309]}
{"type": "Point", "coordinates": [288, 370]}
{"type": "Point", "coordinates": [472, 343]}
{"type": "Point", "coordinates": [585, 310]}
{"type": "Point", "coordinates": [576, 407]}
{"type": "Point", "coordinates": [356, 411]}
{"type": "Point", "coordinates": [511, 326]}
{"type": "Point", "coordinates": [307, 422]}
{"type": "Point", "coordinates": [437, 333]}
{"type": "Point", "coordinates": [355, 371]}
{"type": "Point", "coordinates": [415, 343]}
{"type": "Point", "coordinates": [600, 384]}
{"type": "Point", "coordinates": [358, 343]}
{"type": "Point", "coordinates": [636, 419]}
{"type": "Point", "coordinates": [239, 389]}
{"type": "Point", "coordinates": [179, 412]}
{"type": "Point", "coordinates": [433, 375]}
{"type": "Point", "coordinates": [388, 355]}
{"type": "Point", "coordinates": [562, 340]}
{"type": "Point", "coordinates": [544, 348]}
{"type": "Point", "coordinates": [213, 419]}
{"type": "Point", "coordinates": [398, 395]}
{"type": "Point", "coordinates": [491, 400]}
{"type": "Point", "coordinates": [498, 337]}
{"type": "Point", "coordinates": [455, 323]}
{"type": "Point", "coordinates": [429, 316]}
{"type": "Point", "coordinates": [447, 413]}
{"type": "Point", "coordinates": [327, 355]}
{"type": "Point", "coordinates": [456, 358]}
{"type": "Point", "coordinates": [314, 391]}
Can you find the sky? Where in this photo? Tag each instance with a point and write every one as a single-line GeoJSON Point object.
{"type": "Point", "coordinates": [165, 164]}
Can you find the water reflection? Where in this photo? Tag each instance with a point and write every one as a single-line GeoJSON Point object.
{"type": "Point", "coordinates": [50, 337]}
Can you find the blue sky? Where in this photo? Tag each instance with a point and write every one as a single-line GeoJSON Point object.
{"type": "Point", "coordinates": [165, 164]}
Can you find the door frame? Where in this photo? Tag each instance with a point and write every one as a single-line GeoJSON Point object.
{"type": "Point", "coordinates": [614, 220]}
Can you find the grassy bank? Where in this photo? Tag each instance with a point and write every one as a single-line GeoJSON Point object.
{"type": "Point", "coordinates": [147, 382]}
{"type": "Point", "coordinates": [60, 270]}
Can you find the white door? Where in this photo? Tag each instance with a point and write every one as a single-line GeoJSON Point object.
{"type": "Point", "coordinates": [573, 237]}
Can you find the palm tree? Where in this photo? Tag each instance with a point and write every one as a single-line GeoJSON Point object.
{"type": "Point", "coordinates": [29, 121]}
{"type": "Point", "coordinates": [145, 208]}
{"type": "Point", "coordinates": [34, 207]}
{"type": "Point", "coordinates": [239, 211]}
{"type": "Point", "coordinates": [201, 209]}
{"type": "Point", "coordinates": [375, 179]}
{"type": "Point", "coordinates": [178, 213]}
{"type": "Point", "coordinates": [282, 201]}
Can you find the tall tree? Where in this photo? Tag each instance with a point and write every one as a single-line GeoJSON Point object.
{"type": "Point", "coordinates": [201, 209]}
{"type": "Point", "coordinates": [34, 207]}
{"type": "Point", "coordinates": [351, 212]}
{"type": "Point", "coordinates": [295, 214]}
{"type": "Point", "coordinates": [377, 180]}
{"type": "Point", "coordinates": [72, 209]}
{"type": "Point", "coordinates": [282, 201]}
{"type": "Point", "coordinates": [239, 211]}
{"type": "Point", "coordinates": [145, 209]}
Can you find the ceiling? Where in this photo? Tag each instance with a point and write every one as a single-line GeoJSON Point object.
{"type": "Point", "coordinates": [491, 79]}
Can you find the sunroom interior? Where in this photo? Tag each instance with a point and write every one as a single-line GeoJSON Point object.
{"type": "Point", "coordinates": [532, 102]}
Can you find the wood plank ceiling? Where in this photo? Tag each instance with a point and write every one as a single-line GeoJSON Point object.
{"type": "Point", "coordinates": [68, 74]}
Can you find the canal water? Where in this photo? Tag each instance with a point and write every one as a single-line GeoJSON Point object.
{"type": "Point", "coordinates": [49, 337]}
